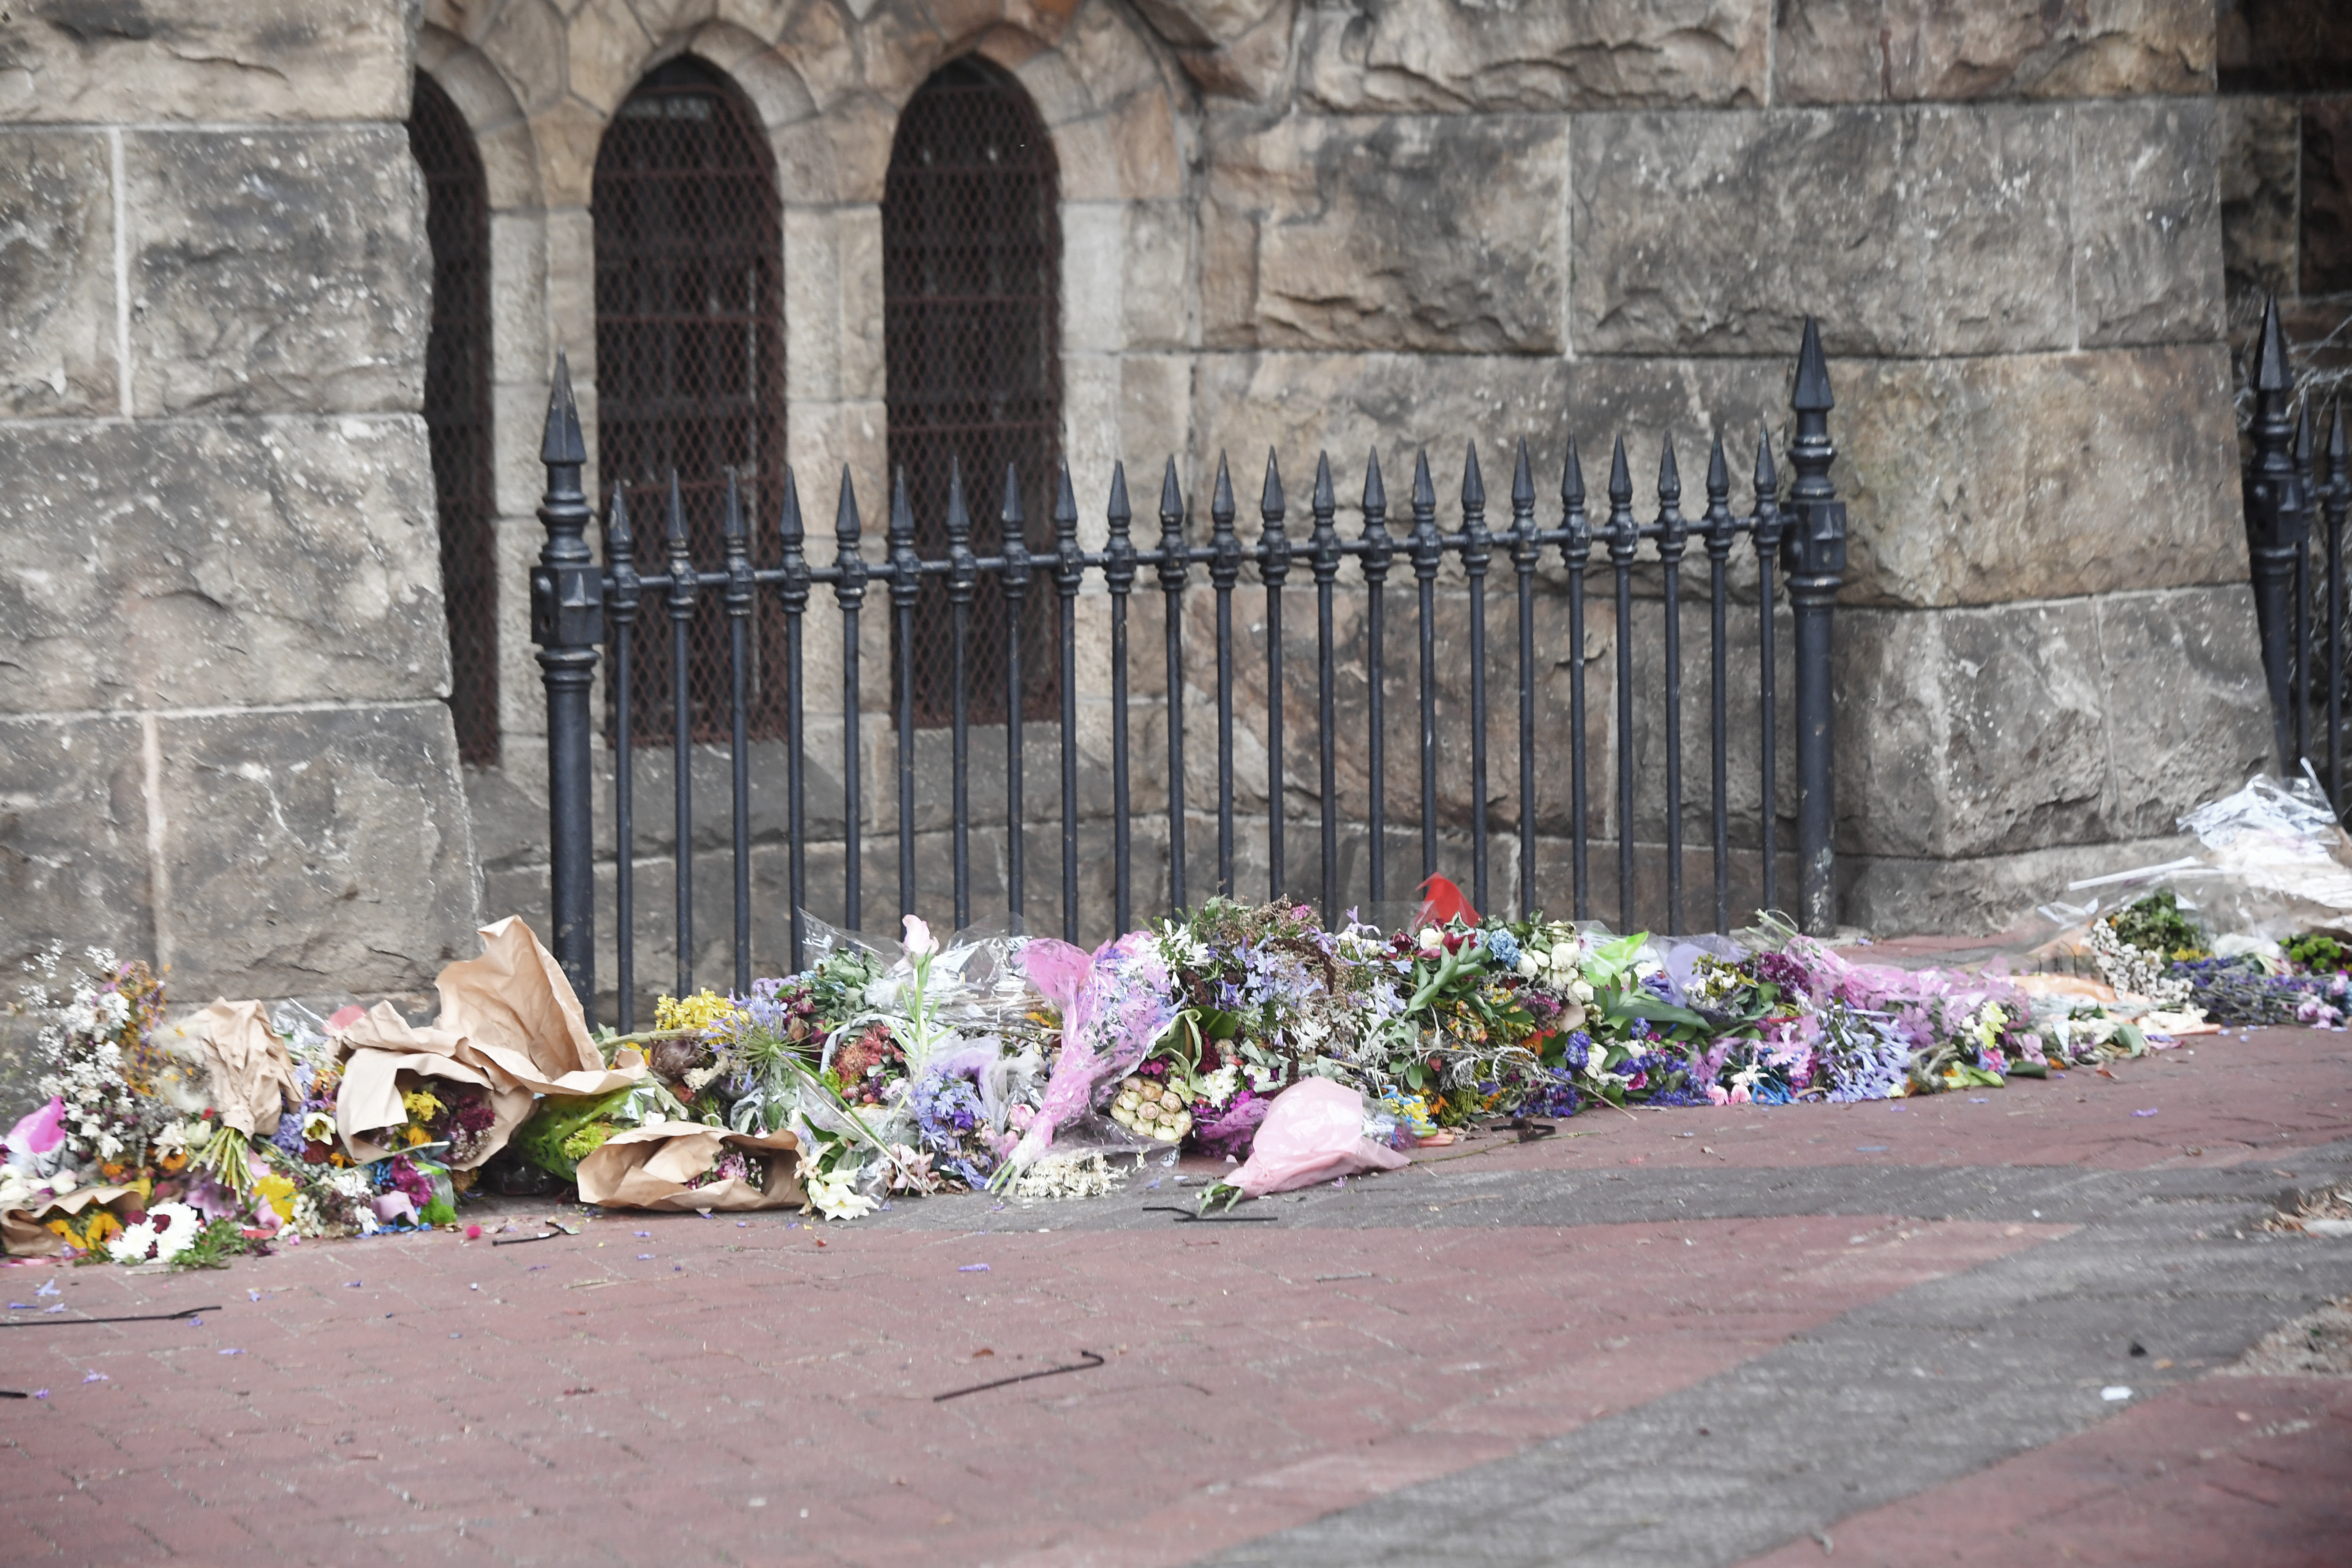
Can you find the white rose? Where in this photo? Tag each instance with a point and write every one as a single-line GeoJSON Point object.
{"type": "Point", "coordinates": [1528, 967]}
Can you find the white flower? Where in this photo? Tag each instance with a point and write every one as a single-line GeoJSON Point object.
{"type": "Point", "coordinates": [920, 943]}
{"type": "Point", "coordinates": [1528, 967]}
{"type": "Point", "coordinates": [1428, 940]}
{"type": "Point", "coordinates": [836, 1195]}
{"type": "Point", "coordinates": [132, 1246]}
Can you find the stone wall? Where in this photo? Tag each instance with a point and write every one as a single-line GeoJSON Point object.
{"type": "Point", "coordinates": [1305, 223]}
{"type": "Point", "coordinates": [223, 742]}
{"type": "Point", "coordinates": [1383, 223]}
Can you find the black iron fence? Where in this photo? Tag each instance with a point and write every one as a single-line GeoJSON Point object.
{"type": "Point", "coordinates": [578, 602]}
{"type": "Point", "coordinates": [2299, 611]}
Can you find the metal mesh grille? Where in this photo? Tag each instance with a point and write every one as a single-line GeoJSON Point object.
{"type": "Point", "coordinates": [689, 311]}
{"type": "Point", "coordinates": [972, 245]}
{"type": "Point", "coordinates": [457, 411]}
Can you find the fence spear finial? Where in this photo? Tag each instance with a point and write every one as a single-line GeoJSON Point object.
{"type": "Point", "coordinates": [1270, 499]}
{"type": "Point", "coordinates": [620, 542]}
{"type": "Point", "coordinates": [1813, 389]}
{"type": "Point", "coordinates": [562, 443]}
{"type": "Point", "coordinates": [675, 533]}
{"type": "Point", "coordinates": [1523, 482]}
{"type": "Point", "coordinates": [1425, 494]}
{"type": "Point", "coordinates": [846, 526]}
{"type": "Point", "coordinates": [1767, 480]}
{"type": "Point", "coordinates": [1324, 501]}
{"type": "Point", "coordinates": [1620, 477]}
{"type": "Point", "coordinates": [1220, 499]}
{"type": "Point", "coordinates": [2271, 372]}
{"type": "Point", "coordinates": [1172, 495]}
{"type": "Point", "coordinates": [1572, 480]}
{"type": "Point", "coordinates": [1117, 511]}
{"type": "Point", "coordinates": [1719, 472]}
{"type": "Point", "coordinates": [788, 520]}
{"type": "Point", "coordinates": [1376, 494]}
{"type": "Point", "coordinates": [1474, 486]}
{"type": "Point", "coordinates": [1670, 474]}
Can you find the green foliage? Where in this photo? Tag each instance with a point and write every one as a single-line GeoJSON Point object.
{"type": "Point", "coordinates": [2320, 954]}
{"type": "Point", "coordinates": [214, 1245]}
{"type": "Point", "coordinates": [2155, 925]}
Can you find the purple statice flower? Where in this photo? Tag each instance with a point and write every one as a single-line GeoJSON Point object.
{"type": "Point", "coordinates": [1577, 1052]}
{"type": "Point", "coordinates": [1779, 969]}
{"type": "Point", "coordinates": [947, 1112]}
{"type": "Point", "coordinates": [1232, 1130]}
{"type": "Point", "coordinates": [1554, 1094]}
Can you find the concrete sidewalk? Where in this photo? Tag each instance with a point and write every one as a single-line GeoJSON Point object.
{"type": "Point", "coordinates": [1676, 1337]}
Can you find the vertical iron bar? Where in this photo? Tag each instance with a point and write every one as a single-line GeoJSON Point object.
{"type": "Point", "coordinates": [963, 576]}
{"type": "Point", "coordinates": [1324, 544]}
{"type": "Point", "coordinates": [1624, 542]}
{"type": "Point", "coordinates": [1524, 553]}
{"type": "Point", "coordinates": [1380, 549]}
{"type": "Point", "coordinates": [1477, 550]}
{"type": "Point", "coordinates": [1768, 553]}
{"type": "Point", "coordinates": [1175, 565]}
{"type": "Point", "coordinates": [905, 582]}
{"type": "Point", "coordinates": [1674, 533]}
{"type": "Point", "coordinates": [1225, 567]}
{"type": "Point", "coordinates": [1069, 575]}
{"type": "Point", "coordinates": [849, 592]}
{"type": "Point", "coordinates": [1274, 565]}
{"type": "Point", "coordinates": [1814, 553]}
{"type": "Point", "coordinates": [567, 603]}
{"type": "Point", "coordinates": [1015, 582]}
{"type": "Point", "coordinates": [1118, 574]}
{"type": "Point", "coordinates": [738, 601]}
{"type": "Point", "coordinates": [621, 566]}
{"type": "Point", "coordinates": [1427, 550]}
{"type": "Point", "coordinates": [2339, 495]}
{"type": "Point", "coordinates": [681, 597]}
{"type": "Point", "coordinates": [2303, 597]}
{"type": "Point", "coordinates": [1576, 552]}
{"type": "Point", "coordinates": [1718, 530]}
{"type": "Point", "coordinates": [2278, 521]}
{"type": "Point", "coordinates": [795, 601]}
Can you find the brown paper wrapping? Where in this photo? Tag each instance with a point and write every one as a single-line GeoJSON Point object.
{"type": "Point", "coordinates": [508, 1023]}
{"type": "Point", "coordinates": [25, 1232]}
{"type": "Point", "coordinates": [648, 1168]}
{"type": "Point", "coordinates": [368, 1101]}
{"type": "Point", "coordinates": [250, 1069]}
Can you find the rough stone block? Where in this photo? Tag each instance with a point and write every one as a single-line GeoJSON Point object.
{"type": "Point", "coordinates": [1971, 732]}
{"type": "Point", "coordinates": [277, 271]}
{"type": "Point", "coordinates": [143, 60]}
{"type": "Point", "coordinates": [1970, 896]}
{"type": "Point", "coordinates": [73, 837]}
{"type": "Point", "coordinates": [2259, 159]}
{"type": "Point", "coordinates": [1867, 51]}
{"type": "Point", "coordinates": [1453, 54]}
{"type": "Point", "coordinates": [1362, 234]}
{"type": "Point", "coordinates": [57, 275]}
{"type": "Point", "coordinates": [2187, 712]}
{"type": "Point", "coordinates": [313, 852]}
{"type": "Point", "coordinates": [1975, 480]}
{"type": "Point", "coordinates": [194, 565]}
{"type": "Point", "coordinates": [2327, 190]}
{"type": "Point", "coordinates": [2148, 232]}
{"type": "Point", "coordinates": [1905, 230]}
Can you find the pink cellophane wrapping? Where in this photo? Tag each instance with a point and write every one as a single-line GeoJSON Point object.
{"type": "Point", "coordinates": [1115, 1006]}
{"type": "Point", "coordinates": [1314, 1133]}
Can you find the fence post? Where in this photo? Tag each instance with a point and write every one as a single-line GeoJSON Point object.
{"type": "Point", "coordinates": [1813, 560]}
{"type": "Point", "coordinates": [567, 606]}
{"type": "Point", "coordinates": [2278, 523]}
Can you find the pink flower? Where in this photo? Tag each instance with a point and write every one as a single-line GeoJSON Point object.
{"type": "Point", "coordinates": [1718, 1094]}
{"type": "Point", "coordinates": [42, 1131]}
{"type": "Point", "coordinates": [920, 943]}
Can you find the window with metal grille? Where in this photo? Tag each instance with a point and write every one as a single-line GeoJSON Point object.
{"type": "Point", "coordinates": [689, 369]}
{"type": "Point", "coordinates": [972, 277]}
{"type": "Point", "coordinates": [457, 410]}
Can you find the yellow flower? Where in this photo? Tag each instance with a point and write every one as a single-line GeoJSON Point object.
{"type": "Point", "coordinates": [277, 1193]}
{"type": "Point", "coordinates": [417, 1135]}
{"type": "Point", "coordinates": [420, 1104]}
{"type": "Point", "coordinates": [698, 1012]}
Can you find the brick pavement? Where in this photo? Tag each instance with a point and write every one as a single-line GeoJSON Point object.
{"type": "Point", "coordinates": [619, 1398]}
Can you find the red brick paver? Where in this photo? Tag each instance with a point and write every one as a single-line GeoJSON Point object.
{"type": "Point", "coordinates": [586, 1404]}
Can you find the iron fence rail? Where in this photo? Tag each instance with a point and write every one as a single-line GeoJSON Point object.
{"type": "Point", "coordinates": [1803, 538]}
{"type": "Point", "coordinates": [2287, 487]}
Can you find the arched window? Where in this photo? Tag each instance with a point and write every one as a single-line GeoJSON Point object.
{"type": "Point", "coordinates": [689, 366]}
{"type": "Point", "coordinates": [457, 410]}
{"type": "Point", "coordinates": [971, 278]}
